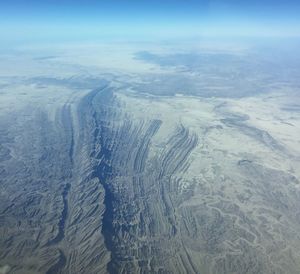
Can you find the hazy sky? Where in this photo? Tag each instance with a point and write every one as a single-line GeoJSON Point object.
{"type": "Point", "coordinates": [91, 19]}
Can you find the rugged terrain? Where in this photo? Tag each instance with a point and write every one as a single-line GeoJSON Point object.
{"type": "Point", "coordinates": [96, 177]}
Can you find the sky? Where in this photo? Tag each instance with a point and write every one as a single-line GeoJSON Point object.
{"type": "Point", "coordinates": [139, 19]}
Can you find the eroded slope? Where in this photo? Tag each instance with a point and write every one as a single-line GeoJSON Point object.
{"type": "Point", "coordinates": [115, 182]}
